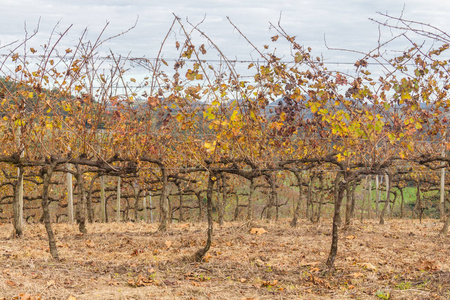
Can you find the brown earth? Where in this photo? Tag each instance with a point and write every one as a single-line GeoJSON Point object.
{"type": "Point", "coordinates": [401, 260]}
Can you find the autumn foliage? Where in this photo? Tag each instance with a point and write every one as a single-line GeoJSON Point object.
{"type": "Point", "coordinates": [192, 128]}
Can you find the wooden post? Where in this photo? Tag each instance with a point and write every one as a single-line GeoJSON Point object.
{"type": "Point", "coordinates": [151, 206]}
{"type": "Point", "coordinates": [144, 208]}
{"type": "Point", "coordinates": [369, 198]}
{"type": "Point", "coordinates": [118, 201]}
{"type": "Point", "coordinates": [377, 195]}
{"type": "Point", "coordinates": [102, 198]}
{"type": "Point", "coordinates": [442, 190]}
{"type": "Point", "coordinates": [69, 195]}
{"type": "Point", "coordinates": [388, 209]}
{"type": "Point", "coordinates": [20, 178]}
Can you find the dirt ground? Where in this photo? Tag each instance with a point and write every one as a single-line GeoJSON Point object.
{"type": "Point", "coordinates": [401, 260]}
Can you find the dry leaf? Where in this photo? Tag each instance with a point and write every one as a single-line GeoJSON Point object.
{"type": "Point", "coordinates": [71, 298]}
{"type": "Point", "coordinates": [350, 237]}
{"type": "Point", "coordinates": [23, 296]}
{"type": "Point", "coordinates": [349, 258]}
{"type": "Point", "coordinates": [90, 244]}
{"type": "Point", "coordinates": [194, 283]}
{"type": "Point", "coordinates": [368, 266]}
{"type": "Point", "coordinates": [269, 283]}
{"type": "Point", "coordinates": [258, 231]}
{"type": "Point", "coordinates": [426, 265]}
{"type": "Point", "coordinates": [168, 244]}
{"type": "Point", "coordinates": [136, 252]}
{"type": "Point", "coordinates": [50, 283]}
{"type": "Point", "coordinates": [242, 280]}
{"type": "Point", "coordinates": [207, 257]}
{"type": "Point", "coordinates": [11, 283]}
{"type": "Point", "coordinates": [140, 281]}
{"type": "Point", "coordinates": [356, 275]}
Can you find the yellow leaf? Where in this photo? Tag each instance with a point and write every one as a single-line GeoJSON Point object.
{"type": "Point", "coordinates": [234, 115]}
{"type": "Point", "coordinates": [314, 107]}
{"type": "Point", "coordinates": [406, 96]}
{"type": "Point", "coordinates": [179, 117]}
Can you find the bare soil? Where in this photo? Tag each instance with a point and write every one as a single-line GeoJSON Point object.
{"type": "Point", "coordinates": [401, 260]}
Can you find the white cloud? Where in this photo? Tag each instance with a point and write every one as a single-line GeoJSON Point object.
{"type": "Point", "coordinates": [345, 23]}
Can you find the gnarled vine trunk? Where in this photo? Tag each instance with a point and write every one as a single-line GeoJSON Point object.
{"type": "Point", "coordinates": [17, 207]}
{"type": "Point", "coordinates": [46, 174]}
{"type": "Point", "coordinates": [299, 199]}
{"type": "Point", "coordinates": [164, 202]}
{"type": "Point", "coordinates": [81, 202]}
{"type": "Point", "coordinates": [209, 195]}
{"type": "Point", "coordinates": [339, 195]}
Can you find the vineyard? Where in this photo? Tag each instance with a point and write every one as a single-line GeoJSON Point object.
{"type": "Point", "coordinates": [192, 160]}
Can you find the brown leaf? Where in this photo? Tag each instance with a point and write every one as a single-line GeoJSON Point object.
{"type": "Point", "coordinates": [131, 282]}
{"type": "Point", "coordinates": [50, 283]}
{"type": "Point", "coordinates": [258, 231]}
{"type": "Point", "coordinates": [23, 296]}
{"type": "Point", "coordinates": [90, 244]}
{"type": "Point", "coordinates": [11, 283]}
{"type": "Point", "coordinates": [71, 298]}
{"type": "Point", "coordinates": [368, 266]}
{"type": "Point", "coordinates": [269, 283]}
{"type": "Point", "coordinates": [426, 265]}
{"type": "Point", "coordinates": [207, 257]}
{"type": "Point", "coordinates": [136, 252]}
{"type": "Point", "coordinates": [168, 244]}
{"type": "Point", "coordinates": [356, 275]}
{"type": "Point", "coordinates": [350, 237]}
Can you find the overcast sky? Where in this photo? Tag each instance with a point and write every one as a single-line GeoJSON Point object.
{"type": "Point", "coordinates": [345, 23]}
